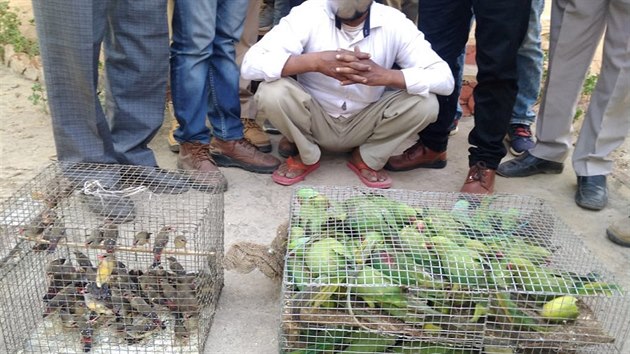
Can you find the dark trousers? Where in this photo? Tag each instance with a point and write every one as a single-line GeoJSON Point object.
{"type": "Point", "coordinates": [500, 28]}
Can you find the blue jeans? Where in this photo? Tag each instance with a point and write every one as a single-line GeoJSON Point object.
{"type": "Point", "coordinates": [529, 64]}
{"type": "Point", "coordinates": [204, 74]}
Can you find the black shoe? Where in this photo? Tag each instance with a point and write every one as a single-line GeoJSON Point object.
{"type": "Point", "coordinates": [118, 208]}
{"type": "Point", "coordinates": [105, 175]}
{"type": "Point", "coordinates": [100, 186]}
{"type": "Point", "coordinates": [157, 180]}
{"type": "Point", "coordinates": [591, 192]}
{"type": "Point", "coordinates": [528, 165]}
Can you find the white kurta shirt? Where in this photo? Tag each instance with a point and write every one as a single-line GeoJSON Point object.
{"type": "Point", "coordinates": [391, 39]}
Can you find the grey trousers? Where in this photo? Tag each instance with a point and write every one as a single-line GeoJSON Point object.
{"type": "Point", "coordinates": [377, 130]}
{"type": "Point", "coordinates": [134, 35]}
{"type": "Point", "coordinates": [576, 29]}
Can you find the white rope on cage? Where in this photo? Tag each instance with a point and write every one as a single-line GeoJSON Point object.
{"type": "Point", "coordinates": [95, 188]}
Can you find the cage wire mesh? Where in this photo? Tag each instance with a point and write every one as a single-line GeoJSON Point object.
{"type": "Point", "coordinates": [111, 259]}
{"type": "Point", "coordinates": [373, 271]}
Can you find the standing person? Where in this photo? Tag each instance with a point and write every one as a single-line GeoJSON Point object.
{"type": "Point", "coordinates": [134, 35]}
{"type": "Point", "coordinates": [339, 102]}
{"type": "Point", "coordinates": [205, 83]}
{"type": "Point", "coordinates": [500, 29]}
{"type": "Point", "coordinates": [252, 131]}
{"type": "Point", "coordinates": [577, 27]}
{"type": "Point", "coordinates": [529, 64]}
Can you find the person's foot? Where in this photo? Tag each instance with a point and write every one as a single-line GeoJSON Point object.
{"type": "Point", "coordinates": [253, 133]}
{"type": "Point", "coordinates": [242, 154]}
{"type": "Point", "coordinates": [157, 180]}
{"type": "Point", "coordinates": [287, 148]}
{"type": "Point", "coordinates": [528, 165]}
{"type": "Point", "coordinates": [480, 180]}
{"type": "Point", "coordinates": [195, 157]}
{"type": "Point", "coordinates": [619, 232]}
{"type": "Point", "coordinates": [592, 192]}
{"type": "Point", "coordinates": [520, 138]}
{"type": "Point", "coordinates": [417, 156]}
{"type": "Point", "coordinates": [100, 186]}
{"type": "Point", "coordinates": [370, 177]}
{"type": "Point", "coordinates": [292, 171]}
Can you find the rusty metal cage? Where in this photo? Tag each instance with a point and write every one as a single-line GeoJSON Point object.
{"type": "Point", "coordinates": [374, 271]}
{"type": "Point", "coordinates": [111, 259]}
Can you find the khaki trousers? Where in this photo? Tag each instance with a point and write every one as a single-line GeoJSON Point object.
{"type": "Point", "coordinates": [249, 37]}
{"type": "Point", "coordinates": [576, 28]}
{"type": "Point", "coordinates": [378, 129]}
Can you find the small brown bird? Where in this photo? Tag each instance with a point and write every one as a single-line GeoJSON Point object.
{"type": "Point", "coordinates": [181, 332]}
{"type": "Point", "coordinates": [142, 238]}
{"type": "Point", "coordinates": [110, 235]}
{"type": "Point", "coordinates": [84, 261]}
{"type": "Point", "coordinates": [175, 266]}
{"type": "Point", "coordinates": [58, 231]}
{"type": "Point", "coordinates": [180, 241]}
{"type": "Point", "coordinates": [95, 238]}
{"type": "Point", "coordinates": [161, 240]}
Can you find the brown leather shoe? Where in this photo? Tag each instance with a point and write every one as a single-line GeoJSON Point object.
{"type": "Point", "coordinates": [241, 153]}
{"type": "Point", "coordinates": [417, 156]}
{"type": "Point", "coordinates": [194, 156]}
{"type": "Point", "coordinates": [480, 180]}
{"type": "Point", "coordinates": [287, 148]}
{"type": "Point", "coordinates": [255, 135]}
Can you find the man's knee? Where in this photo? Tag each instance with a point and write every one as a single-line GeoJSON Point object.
{"type": "Point", "coordinates": [272, 93]}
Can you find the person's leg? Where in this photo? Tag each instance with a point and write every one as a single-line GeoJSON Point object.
{"type": "Point", "coordinates": [293, 112]}
{"type": "Point", "coordinates": [501, 26]}
{"type": "Point", "coordinates": [228, 147]}
{"type": "Point", "coordinates": [70, 34]}
{"type": "Point", "coordinates": [529, 64]}
{"type": "Point", "coordinates": [383, 126]}
{"type": "Point", "coordinates": [191, 50]}
{"type": "Point", "coordinates": [607, 120]}
{"type": "Point", "coordinates": [136, 65]}
{"type": "Point", "coordinates": [252, 131]}
{"type": "Point", "coordinates": [224, 109]}
{"type": "Point", "coordinates": [445, 25]}
{"type": "Point", "coordinates": [572, 45]}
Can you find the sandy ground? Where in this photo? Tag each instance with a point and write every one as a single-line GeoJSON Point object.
{"type": "Point", "coordinates": [248, 315]}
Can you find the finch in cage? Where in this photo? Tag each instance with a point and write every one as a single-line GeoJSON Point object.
{"type": "Point", "coordinates": [161, 240]}
{"type": "Point", "coordinates": [106, 265]}
{"type": "Point", "coordinates": [180, 241]}
{"type": "Point", "coordinates": [141, 238]}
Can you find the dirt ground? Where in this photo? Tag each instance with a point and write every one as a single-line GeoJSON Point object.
{"type": "Point", "coordinates": [248, 315]}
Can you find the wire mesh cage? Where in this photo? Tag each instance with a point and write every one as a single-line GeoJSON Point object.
{"type": "Point", "coordinates": [111, 259]}
{"type": "Point", "coordinates": [373, 271]}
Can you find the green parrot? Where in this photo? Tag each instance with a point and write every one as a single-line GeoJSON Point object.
{"type": "Point", "coordinates": [536, 279]}
{"type": "Point", "coordinates": [507, 311]}
{"type": "Point", "coordinates": [403, 270]}
{"type": "Point", "coordinates": [327, 256]}
{"type": "Point", "coordinates": [376, 288]}
{"type": "Point", "coordinates": [368, 342]}
{"type": "Point", "coordinates": [461, 265]}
